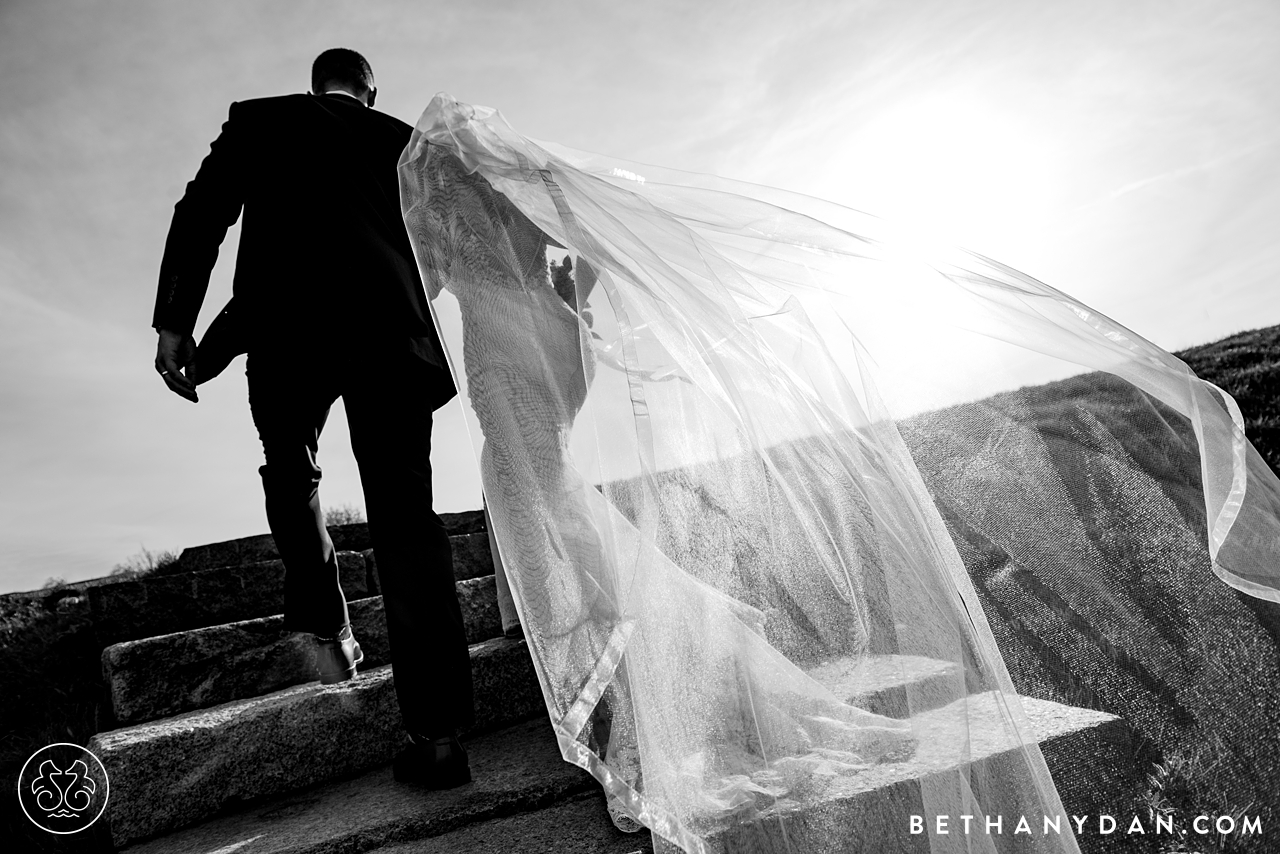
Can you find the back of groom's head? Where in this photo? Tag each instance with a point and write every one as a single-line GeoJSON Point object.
{"type": "Point", "coordinates": [339, 66]}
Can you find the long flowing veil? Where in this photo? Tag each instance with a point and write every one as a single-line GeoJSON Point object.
{"type": "Point", "coordinates": [726, 448]}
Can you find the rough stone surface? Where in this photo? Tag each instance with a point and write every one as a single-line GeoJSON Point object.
{"type": "Point", "coordinates": [871, 811]}
{"type": "Point", "coordinates": [236, 552]}
{"type": "Point", "coordinates": [471, 556]}
{"type": "Point", "coordinates": [354, 537]}
{"type": "Point", "coordinates": [170, 674]}
{"type": "Point", "coordinates": [345, 538]}
{"type": "Point", "coordinates": [892, 685]}
{"type": "Point", "coordinates": [160, 604]}
{"type": "Point", "coordinates": [478, 598]}
{"type": "Point", "coordinates": [154, 677]}
{"type": "Point", "coordinates": [1097, 772]}
{"type": "Point", "coordinates": [514, 772]}
{"type": "Point", "coordinates": [519, 770]}
{"type": "Point", "coordinates": [577, 826]}
{"type": "Point", "coordinates": [183, 769]}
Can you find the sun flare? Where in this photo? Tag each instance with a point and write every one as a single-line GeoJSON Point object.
{"type": "Point", "coordinates": [955, 168]}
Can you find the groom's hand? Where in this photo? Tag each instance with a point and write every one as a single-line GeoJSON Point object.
{"type": "Point", "coordinates": [176, 353]}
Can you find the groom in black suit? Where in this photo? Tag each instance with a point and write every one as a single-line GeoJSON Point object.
{"type": "Point", "coordinates": [328, 303]}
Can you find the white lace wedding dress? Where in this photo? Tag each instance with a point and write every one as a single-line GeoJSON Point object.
{"type": "Point", "coordinates": [715, 611]}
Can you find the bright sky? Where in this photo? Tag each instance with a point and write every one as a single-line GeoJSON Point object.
{"type": "Point", "coordinates": [1128, 153]}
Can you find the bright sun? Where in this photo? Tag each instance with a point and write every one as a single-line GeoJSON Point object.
{"type": "Point", "coordinates": [954, 168]}
{"type": "Point", "coordinates": [941, 169]}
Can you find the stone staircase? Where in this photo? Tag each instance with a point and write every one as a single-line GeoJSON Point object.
{"type": "Point", "coordinates": [220, 739]}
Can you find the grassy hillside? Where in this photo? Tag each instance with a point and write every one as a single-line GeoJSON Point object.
{"type": "Point", "coordinates": [1097, 581]}
{"type": "Point", "coordinates": [1247, 365]}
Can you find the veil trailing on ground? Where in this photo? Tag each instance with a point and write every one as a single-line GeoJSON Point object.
{"type": "Point", "coordinates": [733, 448]}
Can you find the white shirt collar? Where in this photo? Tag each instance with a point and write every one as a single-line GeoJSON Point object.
{"type": "Point", "coordinates": [342, 92]}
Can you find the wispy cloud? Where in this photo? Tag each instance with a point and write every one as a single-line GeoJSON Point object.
{"type": "Point", "coordinates": [1182, 172]}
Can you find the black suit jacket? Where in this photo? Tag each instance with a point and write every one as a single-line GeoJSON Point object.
{"type": "Point", "coordinates": [324, 258]}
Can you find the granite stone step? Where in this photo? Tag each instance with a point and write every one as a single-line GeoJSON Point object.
{"type": "Point", "coordinates": [524, 798]}
{"type": "Point", "coordinates": [515, 773]}
{"type": "Point", "coordinates": [578, 825]}
{"type": "Point", "coordinates": [354, 537]}
{"type": "Point", "coordinates": [170, 674]}
{"type": "Point", "coordinates": [1089, 755]}
{"type": "Point", "coordinates": [159, 604]}
{"type": "Point", "coordinates": [182, 769]}
{"type": "Point", "coordinates": [897, 686]}
{"type": "Point", "coordinates": [252, 748]}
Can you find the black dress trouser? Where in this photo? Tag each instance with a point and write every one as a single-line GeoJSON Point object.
{"type": "Point", "coordinates": [389, 416]}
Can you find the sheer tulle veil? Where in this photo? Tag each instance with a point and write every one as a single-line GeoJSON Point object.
{"type": "Point", "coordinates": [728, 453]}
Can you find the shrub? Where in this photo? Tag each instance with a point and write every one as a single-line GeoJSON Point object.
{"type": "Point", "coordinates": [347, 514]}
{"type": "Point", "coordinates": [145, 562]}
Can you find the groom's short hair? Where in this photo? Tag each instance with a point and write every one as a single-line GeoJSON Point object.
{"type": "Point", "coordinates": [341, 65]}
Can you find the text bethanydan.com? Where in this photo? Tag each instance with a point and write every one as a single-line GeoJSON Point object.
{"type": "Point", "coordinates": [1102, 824]}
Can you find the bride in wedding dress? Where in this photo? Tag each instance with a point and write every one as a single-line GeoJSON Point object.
{"type": "Point", "coordinates": [704, 462]}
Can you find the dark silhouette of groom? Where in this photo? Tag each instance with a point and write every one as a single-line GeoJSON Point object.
{"type": "Point", "coordinates": [328, 303]}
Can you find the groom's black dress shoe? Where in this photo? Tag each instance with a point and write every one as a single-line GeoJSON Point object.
{"type": "Point", "coordinates": [436, 763]}
{"type": "Point", "coordinates": [336, 658]}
